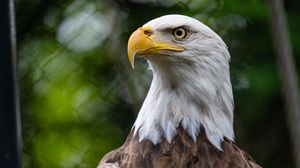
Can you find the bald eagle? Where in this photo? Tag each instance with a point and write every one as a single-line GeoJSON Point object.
{"type": "Point", "coordinates": [186, 119]}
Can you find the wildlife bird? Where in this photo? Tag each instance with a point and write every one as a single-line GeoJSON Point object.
{"type": "Point", "coordinates": [186, 119]}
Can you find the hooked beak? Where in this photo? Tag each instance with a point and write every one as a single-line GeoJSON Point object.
{"type": "Point", "coordinates": [142, 42]}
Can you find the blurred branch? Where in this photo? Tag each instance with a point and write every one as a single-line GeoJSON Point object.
{"type": "Point", "coordinates": [287, 72]}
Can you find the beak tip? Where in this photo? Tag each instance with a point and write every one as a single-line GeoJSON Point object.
{"type": "Point", "coordinates": [131, 60]}
{"type": "Point", "coordinates": [132, 65]}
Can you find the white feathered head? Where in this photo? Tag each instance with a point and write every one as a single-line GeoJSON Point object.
{"type": "Point", "coordinates": [191, 85]}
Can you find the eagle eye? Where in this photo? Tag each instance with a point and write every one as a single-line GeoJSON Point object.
{"type": "Point", "coordinates": [180, 33]}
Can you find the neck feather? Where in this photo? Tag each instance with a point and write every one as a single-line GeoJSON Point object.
{"type": "Point", "coordinates": [187, 95]}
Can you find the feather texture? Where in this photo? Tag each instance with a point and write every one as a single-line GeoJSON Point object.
{"type": "Point", "coordinates": [182, 152]}
{"type": "Point", "coordinates": [191, 87]}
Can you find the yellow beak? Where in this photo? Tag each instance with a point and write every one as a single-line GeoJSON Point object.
{"type": "Point", "coordinates": [142, 42]}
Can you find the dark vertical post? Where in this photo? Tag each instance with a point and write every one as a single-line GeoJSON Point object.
{"type": "Point", "coordinates": [10, 125]}
{"type": "Point", "coordinates": [287, 73]}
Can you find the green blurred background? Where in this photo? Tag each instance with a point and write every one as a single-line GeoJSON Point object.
{"type": "Point", "coordinates": [79, 95]}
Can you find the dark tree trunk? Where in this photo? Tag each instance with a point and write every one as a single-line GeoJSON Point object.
{"type": "Point", "coordinates": [10, 125]}
{"type": "Point", "coordinates": [287, 73]}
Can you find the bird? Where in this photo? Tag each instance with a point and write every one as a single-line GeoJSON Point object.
{"type": "Point", "coordinates": [186, 119]}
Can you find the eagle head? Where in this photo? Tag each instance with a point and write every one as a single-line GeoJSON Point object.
{"type": "Point", "coordinates": [191, 85]}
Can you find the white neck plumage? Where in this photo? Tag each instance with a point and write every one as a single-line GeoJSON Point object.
{"type": "Point", "coordinates": [191, 93]}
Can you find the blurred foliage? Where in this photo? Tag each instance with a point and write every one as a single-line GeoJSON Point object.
{"type": "Point", "coordinates": [79, 95]}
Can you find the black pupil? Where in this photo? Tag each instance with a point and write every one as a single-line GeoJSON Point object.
{"type": "Point", "coordinates": [179, 32]}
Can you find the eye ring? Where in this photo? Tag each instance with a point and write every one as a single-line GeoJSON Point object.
{"type": "Point", "coordinates": [180, 33]}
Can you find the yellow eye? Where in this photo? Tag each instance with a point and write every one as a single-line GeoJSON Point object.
{"type": "Point", "coordinates": [180, 33]}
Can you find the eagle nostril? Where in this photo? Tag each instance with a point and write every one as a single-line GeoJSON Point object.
{"type": "Point", "coordinates": [148, 32]}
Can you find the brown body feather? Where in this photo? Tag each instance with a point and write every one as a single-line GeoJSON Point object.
{"type": "Point", "coordinates": [183, 152]}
